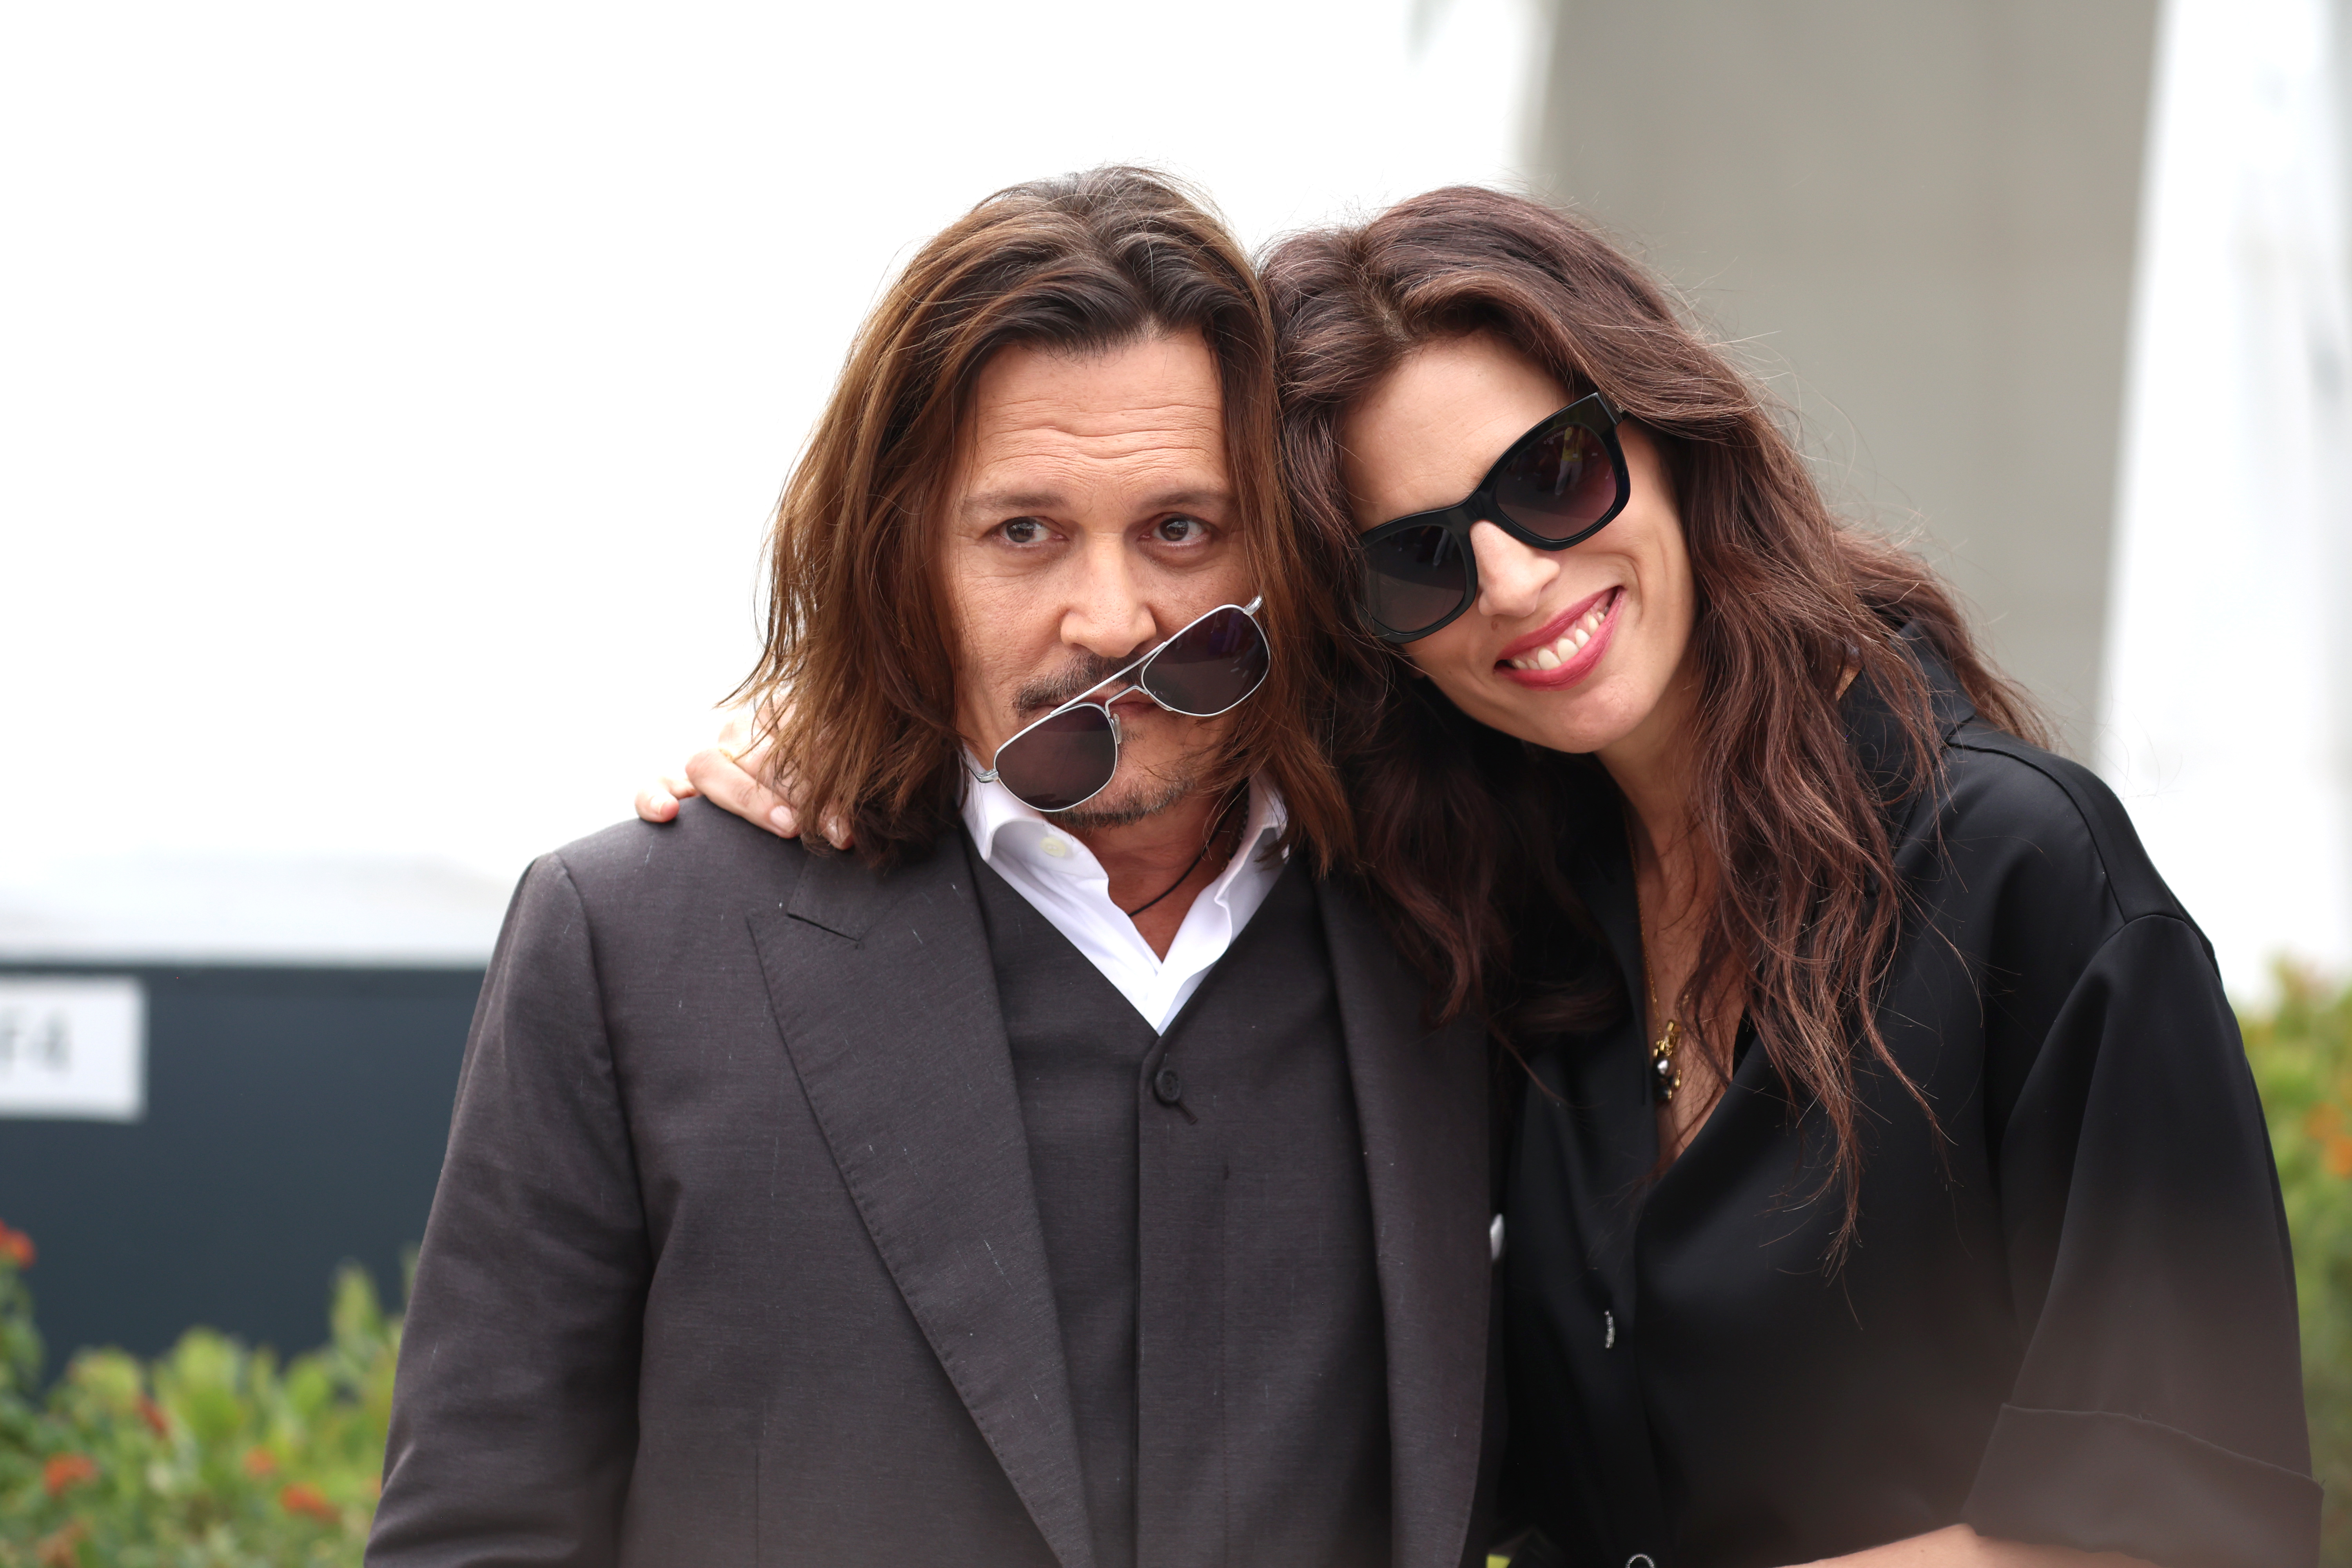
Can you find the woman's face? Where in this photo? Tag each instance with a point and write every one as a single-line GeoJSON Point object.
{"type": "Point", "coordinates": [1576, 649]}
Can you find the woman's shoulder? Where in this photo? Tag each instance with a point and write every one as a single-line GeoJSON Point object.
{"type": "Point", "coordinates": [2033, 869]}
{"type": "Point", "coordinates": [2059, 816]}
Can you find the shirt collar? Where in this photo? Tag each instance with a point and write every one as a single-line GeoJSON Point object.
{"type": "Point", "coordinates": [1003, 825]}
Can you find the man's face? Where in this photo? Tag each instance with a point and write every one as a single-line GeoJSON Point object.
{"type": "Point", "coordinates": [1092, 516]}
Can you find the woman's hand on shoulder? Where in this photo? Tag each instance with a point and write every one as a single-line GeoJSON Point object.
{"type": "Point", "coordinates": [731, 773]}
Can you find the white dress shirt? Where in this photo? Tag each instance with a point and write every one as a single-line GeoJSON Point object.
{"type": "Point", "coordinates": [1063, 881]}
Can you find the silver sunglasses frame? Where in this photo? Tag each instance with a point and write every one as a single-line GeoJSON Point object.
{"type": "Point", "coordinates": [1083, 700]}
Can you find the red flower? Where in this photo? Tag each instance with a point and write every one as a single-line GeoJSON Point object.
{"type": "Point", "coordinates": [303, 1498]}
{"type": "Point", "coordinates": [260, 1463]}
{"type": "Point", "coordinates": [152, 1413]}
{"type": "Point", "coordinates": [16, 1246]}
{"type": "Point", "coordinates": [65, 1471]}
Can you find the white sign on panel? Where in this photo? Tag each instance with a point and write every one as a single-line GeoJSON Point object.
{"type": "Point", "coordinates": [73, 1049]}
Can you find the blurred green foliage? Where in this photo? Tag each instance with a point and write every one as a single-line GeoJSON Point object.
{"type": "Point", "coordinates": [213, 1456]}
{"type": "Point", "coordinates": [216, 1456]}
{"type": "Point", "coordinates": [2302, 1056]}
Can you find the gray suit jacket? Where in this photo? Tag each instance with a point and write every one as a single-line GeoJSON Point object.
{"type": "Point", "coordinates": [735, 1258]}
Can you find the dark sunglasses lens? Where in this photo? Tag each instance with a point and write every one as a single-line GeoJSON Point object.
{"type": "Point", "coordinates": [1415, 578]}
{"type": "Point", "coordinates": [1210, 665]}
{"type": "Point", "coordinates": [1559, 484]}
{"type": "Point", "coordinates": [1060, 760]}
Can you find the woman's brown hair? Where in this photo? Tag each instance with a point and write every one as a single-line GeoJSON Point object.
{"type": "Point", "coordinates": [1458, 819]}
{"type": "Point", "coordinates": [856, 685]}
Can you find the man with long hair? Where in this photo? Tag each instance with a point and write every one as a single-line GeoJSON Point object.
{"type": "Point", "coordinates": [1066, 1175]}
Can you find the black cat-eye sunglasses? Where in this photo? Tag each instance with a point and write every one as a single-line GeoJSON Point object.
{"type": "Point", "coordinates": [1557, 485]}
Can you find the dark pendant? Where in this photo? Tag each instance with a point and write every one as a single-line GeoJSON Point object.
{"type": "Point", "coordinates": [1664, 1075]}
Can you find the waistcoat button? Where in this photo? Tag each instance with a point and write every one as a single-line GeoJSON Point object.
{"type": "Point", "coordinates": [1167, 1086]}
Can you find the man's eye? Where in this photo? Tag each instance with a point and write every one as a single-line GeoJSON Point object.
{"type": "Point", "coordinates": [1181, 530]}
{"type": "Point", "coordinates": [1023, 530]}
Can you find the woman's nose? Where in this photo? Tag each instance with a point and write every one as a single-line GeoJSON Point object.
{"type": "Point", "coordinates": [1511, 577]}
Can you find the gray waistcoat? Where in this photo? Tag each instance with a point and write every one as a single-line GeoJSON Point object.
{"type": "Point", "coordinates": [1208, 1232]}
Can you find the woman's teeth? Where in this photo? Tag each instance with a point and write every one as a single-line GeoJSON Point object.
{"type": "Point", "coordinates": [1554, 654]}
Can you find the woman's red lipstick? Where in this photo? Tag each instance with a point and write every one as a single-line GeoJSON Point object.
{"type": "Point", "coordinates": [1577, 665]}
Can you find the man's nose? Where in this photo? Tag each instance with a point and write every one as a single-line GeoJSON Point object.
{"type": "Point", "coordinates": [1512, 578]}
{"type": "Point", "coordinates": [1105, 614]}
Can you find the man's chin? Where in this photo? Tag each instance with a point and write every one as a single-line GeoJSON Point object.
{"type": "Point", "coordinates": [1125, 803]}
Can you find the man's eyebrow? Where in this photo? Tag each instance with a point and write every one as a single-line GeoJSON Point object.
{"type": "Point", "coordinates": [1010, 503]}
{"type": "Point", "coordinates": [1013, 503]}
{"type": "Point", "coordinates": [1177, 500]}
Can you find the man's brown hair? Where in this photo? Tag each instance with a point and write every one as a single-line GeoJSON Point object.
{"type": "Point", "coordinates": [857, 680]}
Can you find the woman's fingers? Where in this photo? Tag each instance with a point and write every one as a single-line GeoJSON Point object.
{"type": "Point", "coordinates": [781, 801]}
{"type": "Point", "coordinates": [726, 780]}
{"type": "Point", "coordinates": [657, 802]}
{"type": "Point", "coordinates": [737, 781]}
{"type": "Point", "coordinates": [731, 773]}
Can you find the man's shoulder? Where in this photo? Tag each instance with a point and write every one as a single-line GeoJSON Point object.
{"type": "Point", "coordinates": [708, 858]}
{"type": "Point", "coordinates": [706, 853]}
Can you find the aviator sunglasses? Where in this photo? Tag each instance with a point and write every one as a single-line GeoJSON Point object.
{"type": "Point", "coordinates": [1065, 758]}
{"type": "Point", "coordinates": [1557, 485]}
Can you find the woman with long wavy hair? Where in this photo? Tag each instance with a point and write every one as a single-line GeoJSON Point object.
{"type": "Point", "coordinates": [1887, 1182]}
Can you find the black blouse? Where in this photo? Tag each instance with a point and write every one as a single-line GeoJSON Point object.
{"type": "Point", "coordinates": [2075, 1324]}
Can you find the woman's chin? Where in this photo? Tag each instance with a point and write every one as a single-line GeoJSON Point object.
{"type": "Point", "coordinates": [1558, 721]}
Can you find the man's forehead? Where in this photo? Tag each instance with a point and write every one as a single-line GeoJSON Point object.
{"type": "Point", "coordinates": [1166, 371]}
{"type": "Point", "coordinates": [1146, 412]}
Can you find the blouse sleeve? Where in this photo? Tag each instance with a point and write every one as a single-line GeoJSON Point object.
{"type": "Point", "coordinates": [2158, 1406]}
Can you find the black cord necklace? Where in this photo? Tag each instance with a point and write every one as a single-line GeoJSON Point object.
{"type": "Point", "coordinates": [1216, 831]}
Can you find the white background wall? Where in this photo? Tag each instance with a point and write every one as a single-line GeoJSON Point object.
{"type": "Point", "coordinates": [391, 400]}
{"type": "Point", "coordinates": [391, 397]}
{"type": "Point", "coordinates": [2227, 725]}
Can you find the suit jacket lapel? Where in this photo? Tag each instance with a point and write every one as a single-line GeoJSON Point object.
{"type": "Point", "coordinates": [1421, 1097]}
{"type": "Point", "coordinates": [886, 996]}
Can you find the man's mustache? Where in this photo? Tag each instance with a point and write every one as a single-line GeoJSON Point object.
{"type": "Point", "coordinates": [1081, 674]}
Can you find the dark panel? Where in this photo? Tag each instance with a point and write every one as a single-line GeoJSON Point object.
{"type": "Point", "coordinates": [295, 1119]}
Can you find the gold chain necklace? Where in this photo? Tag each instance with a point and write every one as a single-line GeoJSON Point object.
{"type": "Point", "coordinates": [1665, 1076]}
{"type": "Point", "coordinates": [1665, 1073]}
